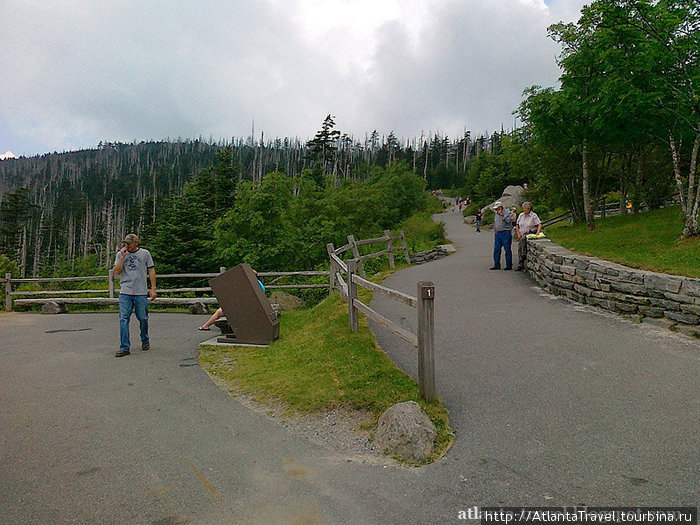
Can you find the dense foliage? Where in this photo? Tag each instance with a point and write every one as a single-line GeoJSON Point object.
{"type": "Point", "coordinates": [283, 224]}
{"type": "Point", "coordinates": [624, 121]}
{"type": "Point", "coordinates": [60, 208]}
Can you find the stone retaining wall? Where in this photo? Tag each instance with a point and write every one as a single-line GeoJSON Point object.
{"type": "Point", "coordinates": [671, 299]}
{"type": "Point", "coordinates": [423, 257]}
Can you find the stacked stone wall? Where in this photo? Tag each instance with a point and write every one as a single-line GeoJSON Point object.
{"type": "Point", "coordinates": [671, 299]}
{"type": "Point", "coordinates": [424, 257]}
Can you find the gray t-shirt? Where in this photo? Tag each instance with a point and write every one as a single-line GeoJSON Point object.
{"type": "Point", "coordinates": [133, 276]}
{"type": "Point", "coordinates": [504, 223]}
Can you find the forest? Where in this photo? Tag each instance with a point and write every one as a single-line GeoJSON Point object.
{"type": "Point", "coordinates": [623, 125]}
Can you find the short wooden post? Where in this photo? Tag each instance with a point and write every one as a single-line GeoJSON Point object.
{"type": "Point", "coordinates": [333, 267]}
{"type": "Point", "coordinates": [405, 248]}
{"type": "Point", "coordinates": [8, 292]}
{"type": "Point", "coordinates": [110, 278]}
{"type": "Point", "coordinates": [426, 340]}
{"type": "Point", "coordinates": [390, 249]}
{"type": "Point", "coordinates": [222, 269]}
{"type": "Point", "coordinates": [352, 295]}
{"type": "Point", "coordinates": [356, 254]}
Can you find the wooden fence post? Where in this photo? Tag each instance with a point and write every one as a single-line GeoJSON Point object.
{"type": "Point", "coordinates": [405, 248]}
{"type": "Point", "coordinates": [356, 254]}
{"type": "Point", "coordinates": [333, 267]}
{"type": "Point", "coordinates": [426, 340]}
{"type": "Point", "coordinates": [389, 249]}
{"type": "Point", "coordinates": [222, 269]}
{"type": "Point", "coordinates": [352, 295]}
{"type": "Point", "coordinates": [8, 292]}
{"type": "Point", "coordinates": [110, 278]}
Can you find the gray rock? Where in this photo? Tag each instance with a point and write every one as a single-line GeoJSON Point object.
{"type": "Point", "coordinates": [53, 308]}
{"type": "Point", "coordinates": [286, 301]}
{"type": "Point", "coordinates": [630, 288]}
{"type": "Point", "coordinates": [651, 311]}
{"type": "Point", "coordinates": [691, 287]}
{"type": "Point", "coordinates": [691, 309]}
{"type": "Point", "coordinates": [198, 308]}
{"type": "Point", "coordinates": [405, 430]}
{"type": "Point", "coordinates": [682, 318]}
{"type": "Point", "coordinates": [512, 197]}
{"type": "Point", "coordinates": [664, 283]}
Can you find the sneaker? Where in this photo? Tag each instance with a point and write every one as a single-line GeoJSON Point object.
{"type": "Point", "coordinates": [145, 346]}
{"type": "Point", "coordinates": [495, 268]}
{"type": "Point", "coordinates": [122, 353]}
{"type": "Point", "coordinates": [508, 268]}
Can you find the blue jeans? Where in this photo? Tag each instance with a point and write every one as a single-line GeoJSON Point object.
{"type": "Point", "coordinates": [502, 239]}
{"type": "Point", "coordinates": [127, 304]}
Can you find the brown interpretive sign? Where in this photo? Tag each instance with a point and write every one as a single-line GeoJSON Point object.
{"type": "Point", "coordinates": [248, 311]}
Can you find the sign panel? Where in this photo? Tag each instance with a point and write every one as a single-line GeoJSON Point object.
{"type": "Point", "coordinates": [248, 311]}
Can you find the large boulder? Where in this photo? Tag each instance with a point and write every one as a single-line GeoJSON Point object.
{"type": "Point", "coordinates": [198, 308]}
{"type": "Point", "coordinates": [512, 197]}
{"type": "Point", "coordinates": [286, 301]}
{"type": "Point", "coordinates": [53, 308]}
{"type": "Point", "coordinates": [405, 430]}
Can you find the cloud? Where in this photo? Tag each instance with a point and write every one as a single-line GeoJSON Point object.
{"type": "Point", "coordinates": [75, 74]}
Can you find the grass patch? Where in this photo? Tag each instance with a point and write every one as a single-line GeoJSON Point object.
{"type": "Point", "coordinates": [650, 241]}
{"type": "Point", "coordinates": [318, 364]}
{"type": "Point", "coordinates": [422, 233]}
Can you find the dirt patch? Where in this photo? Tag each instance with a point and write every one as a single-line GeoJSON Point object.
{"type": "Point", "coordinates": [342, 430]}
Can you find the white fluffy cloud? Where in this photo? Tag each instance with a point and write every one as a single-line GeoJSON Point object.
{"type": "Point", "coordinates": [74, 73]}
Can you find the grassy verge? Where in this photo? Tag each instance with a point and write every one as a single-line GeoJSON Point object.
{"type": "Point", "coordinates": [318, 364]}
{"type": "Point", "coordinates": [649, 240]}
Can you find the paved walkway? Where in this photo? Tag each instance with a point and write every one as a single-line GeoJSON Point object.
{"type": "Point", "coordinates": [552, 404]}
{"type": "Point", "coordinates": [566, 403]}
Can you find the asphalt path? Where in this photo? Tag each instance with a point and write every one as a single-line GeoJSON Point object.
{"type": "Point", "coordinates": [560, 404]}
{"type": "Point", "coordinates": [552, 404]}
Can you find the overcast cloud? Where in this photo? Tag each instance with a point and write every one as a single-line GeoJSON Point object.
{"type": "Point", "coordinates": [73, 73]}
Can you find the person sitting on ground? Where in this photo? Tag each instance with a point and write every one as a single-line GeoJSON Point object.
{"type": "Point", "coordinates": [215, 317]}
{"type": "Point", "coordinates": [219, 312]}
{"type": "Point", "coordinates": [528, 222]}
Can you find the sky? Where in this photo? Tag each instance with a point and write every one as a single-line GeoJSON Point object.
{"type": "Point", "coordinates": [77, 72]}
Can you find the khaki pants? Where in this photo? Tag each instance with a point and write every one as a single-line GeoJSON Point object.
{"type": "Point", "coordinates": [522, 251]}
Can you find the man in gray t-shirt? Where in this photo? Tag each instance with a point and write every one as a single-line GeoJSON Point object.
{"type": "Point", "coordinates": [132, 264]}
{"type": "Point", "coordinates": [502, 225]}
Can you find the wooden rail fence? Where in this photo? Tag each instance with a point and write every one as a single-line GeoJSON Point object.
{"type": "Point", "coordinates": [354, 273]}
{"type": "Point", "coordinates": [31, 297]}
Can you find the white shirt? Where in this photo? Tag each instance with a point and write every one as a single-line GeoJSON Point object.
{"type": "Point", "coordinates": [528, 223]}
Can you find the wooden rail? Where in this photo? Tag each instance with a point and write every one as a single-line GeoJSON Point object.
{"type": "Point", "coordinates": [425, 337]}
{"type": "Point", "coordinates": [35, 297]}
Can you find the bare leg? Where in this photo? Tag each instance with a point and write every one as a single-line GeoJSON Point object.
{"type": "Point", "coordinates": [219, 312]}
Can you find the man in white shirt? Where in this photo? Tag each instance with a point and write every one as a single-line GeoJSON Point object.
{"type": "Point", "coordinates": [528, 222]}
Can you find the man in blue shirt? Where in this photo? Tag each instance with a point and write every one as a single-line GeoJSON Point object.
{"type": "Point", "coordinates": [503, 224]}
{"type": "Point", "coordinates": [132, 264]}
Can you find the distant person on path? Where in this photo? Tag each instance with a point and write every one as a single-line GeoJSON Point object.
{"type": "Point", "coordinates": [132, 264]}
{"type": "Point", "coordinates": [478, 220]}
{"type": "Point", "coordinates": [503, 224]}
{"type": "Point", "coordinates": [528, 222]}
